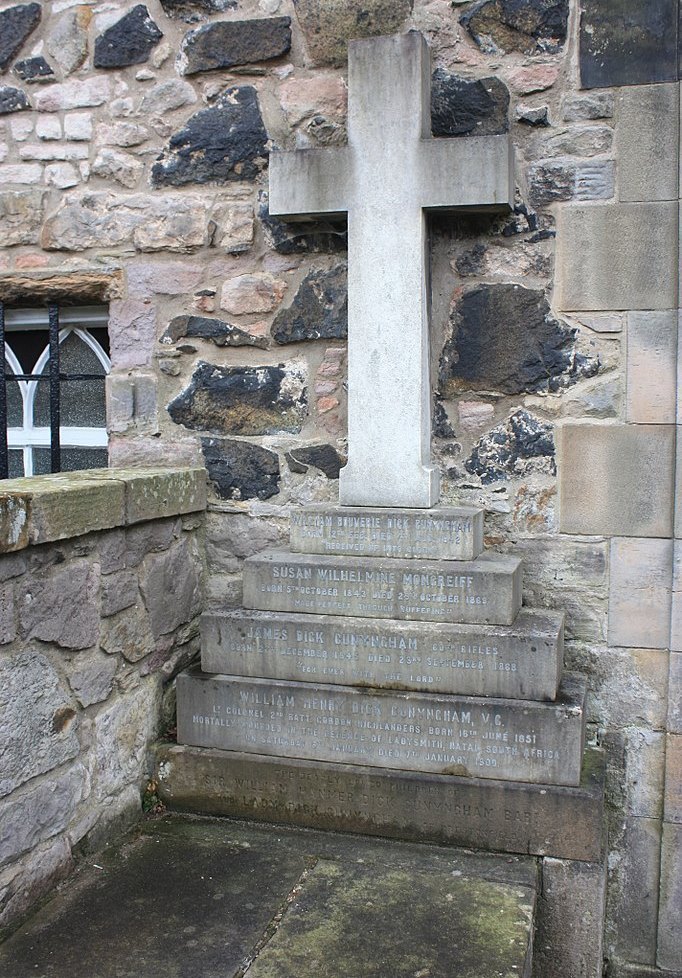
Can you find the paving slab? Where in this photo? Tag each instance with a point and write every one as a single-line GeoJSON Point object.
{"type": "Point", "coordinates": [185, 897]}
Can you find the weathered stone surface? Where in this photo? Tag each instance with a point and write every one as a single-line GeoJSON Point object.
{"type": "Point", "coordinates": [616, 256]}
{"type": "Point", "coordinates": [252, 292]}
{"type": "Point", "coordinates": [538, 819]}
{"type": "Point", "coordinates": [647, 142]}
{"type": "Point", "coordinates": [628, 43]}
{"type": "Point", "coordinates": [170, 222]}
{"type": "Point", "coordinates": [31, 877]}
{"type": "Point", "coordinates": [91, 677]}
{"type": "Point", "coordinates": [445, 533]}
{"type": "Point", "coordinates": [240, 470]}
{"type": "Point", "coordinates": [519, 662]}
{"type": "Point", "coordinates": [518, 447]}
{"type": "Point", "coordinates": [375, 902]}
{"type": "Point", "coordinates": [651, 367]}
{"type": "Point", "coordinates": [566, 179]}
{"type": "Point", "coordinates": [669, 945]}
{"type": "Point", "coordinates": [171, 587]}
{"type": "Point", "coordinates": [633, 889]}
{"type": "Point", "coordinates": [36, 719]}
{"type": "Point", "coordinates": [67, 40]}
{"type": "Point", "coordinates": [74, 94]}
{"type": "Point", "coordinates": [41, 812]}
{"type": "Point", "coordinates": [633, 495]}
{"type": "Point", "coordinates": [234, 536]}
{"type": "Point", "coordinates": [220, 332]}
{"type": "Point", "coordinates": [16, 24]}
{"type": "Point", "coordinates": [12, 100]}
{"type": "Point", "coordinates": [505, 338]}
{"type": "Point", "coordinates": [627, 686]}
{"type": "Point", "coordinates": [121, 167]}
{"type": "Point", "coordinates": [193, 10]}
{"type": "Point", "coordinates": [7, 624]}
{"type": "Point", "coordinates": [167, 95]}
{"type": "Point", "coordinates": [156, 493]}
{"type": "Point", "coordinates": [506, 25]}
{"type": "Point", "coordinates": [60, 605]}
{"type": "Point", "coordinates": [295, 239]}
{"type": "Point", "coordinates": [536, 116]}
{"type": "Point", "coordinates": [594, 105]}
{"type": "Point", "coordinates": [234, 226]}
{"type": "Point", "coordinates": [569, 937]}
{"type": "Point", "coordinates": [21, 215]}
{"type": "Point", "coordinates": [33, 69]}
{"type": "Point", "coordinates": [574, 141]}
{"type": "Point", "coordinates": [243, 400]}
{"type": "Point", "coordinates": [132, 331]}
{"type": "Point", "coordinates": [224, 142]}
{"type": "Point", "coordinates": [319, 309]}
{"type": "Point", "coordinates": [227, 43]}
{"type": "Point", "coordinates": [123, 732]}
{"type": "Point", "coordinates": [57, 507]}
{"type": "Point", "coordinates": [468, 737]}
{"type": "Point", "coordinates": [328, 27]}
{"type": "Point", "coordinates": [119, 591]}
{"type": "Point", "coordinates": [485, 590]}
{"type": "Point", "coordinates": [462, 107]}
{"type": "Point", "coordinates": [640, 593]}
{"type": "Point", "coordinates": [323, 457]}
{"type": "Point", "coordinates": [129, 41]}
{"type": "Point", "coordinates": [128, 634]}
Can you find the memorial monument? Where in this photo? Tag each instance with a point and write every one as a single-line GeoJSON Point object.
{"type": "Point", "coordinates": [385, 665]}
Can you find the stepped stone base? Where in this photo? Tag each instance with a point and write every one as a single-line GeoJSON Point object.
{"type": "Point", "coordinates": [521, 661]}
{"type": "Point", "coordinates": [466, 736]}
{"type": "Point", "coordinates": [485, 590]}
{"type": "Point", "coordinates": [543, 820]}
{"type": "Point", "coordinates": [454, 533]}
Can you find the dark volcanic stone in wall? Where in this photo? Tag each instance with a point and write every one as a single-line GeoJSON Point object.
{"type": "Point", "coordinates": [323, 457]}
{"type": "Point", "coordinates": [441, 427]}
{"type": "Point", "coordinates": [235, 42]}
{"type": "Point", "coordinates": [128, 41]}
{"type": "Point", "coordinates": [300, 238]}
{"type": "Point", "coordinates": [242, 400]}
{"type": "Point", "coordinates": [506, 339]}
{"type": "Point", "coordinates": [12, 100]}
{"type": "Point", "coordinates": [16, 23]}
{"type": "Point", "coordinates": [221, 333]}
{"type": "Point", "coordinates": [240, 470]}
{"type": "Point", "coordinates": [33, 70]}
{"type": "Point", "coordinates": [521, 445]}
{"type": "Point", "coordinates": [517, 25]}
{"type": "Point", "coordinates": [460, 106]}
{"type": "Point", "coordinates": [193, 10]}
{"type": "Point", "coordinates": [224, 142]}
{"type": "Point", "coordinates": [319, 309]}
{"type": "Point", "coordinates": [631, 42]}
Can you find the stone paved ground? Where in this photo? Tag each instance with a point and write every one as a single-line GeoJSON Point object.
{"type": "Point", "coordinates": [185, 897]}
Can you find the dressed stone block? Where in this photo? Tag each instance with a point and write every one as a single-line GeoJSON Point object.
{"type": "Point", "coordinates": [485, 590]}
{"type": "Point", "coordinates": [454, 533]}
{"type": "Point", "coordinates": [519, 662]}
{"type": "Point", "coordinates": [465, 736]}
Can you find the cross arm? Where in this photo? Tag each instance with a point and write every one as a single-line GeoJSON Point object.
{"type": "Point", "coordinates": [307, 183]}
{"type": "Point", "coordinates": [471, 171]}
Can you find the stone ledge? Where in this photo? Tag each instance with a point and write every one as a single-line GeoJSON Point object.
{"type": "Point", "coordinates": [44, 508]}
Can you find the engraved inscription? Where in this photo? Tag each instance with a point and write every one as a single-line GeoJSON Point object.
{"type": "Point", "coordinates": [428, 733]}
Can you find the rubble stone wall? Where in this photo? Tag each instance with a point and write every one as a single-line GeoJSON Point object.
{"type": "Point", "coordinates": [134, 145]}
{"type": "Point", "coordinates": [94, 625]}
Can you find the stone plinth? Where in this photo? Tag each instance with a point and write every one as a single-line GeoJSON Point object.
{"type": "Point", "coordinates": [544, 820]}
{"type": "Point", "coordinates": [485, 590]}
{"type": "Point", "coordinates": [522, 661]}
{"type": "Point", "coordinates": [454, 533]}
{"type": "Point", "coordinates": [466, 736]}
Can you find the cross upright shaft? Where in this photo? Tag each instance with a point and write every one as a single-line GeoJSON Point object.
{"type": "Point", "coordinates": [388, 176]}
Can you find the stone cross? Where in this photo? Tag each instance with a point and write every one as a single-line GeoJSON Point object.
{"type": "Point", "coordinates": [391, 172]}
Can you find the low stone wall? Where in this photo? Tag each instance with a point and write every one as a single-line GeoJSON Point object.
{"type": "Point", "coordinates": [101, 586]}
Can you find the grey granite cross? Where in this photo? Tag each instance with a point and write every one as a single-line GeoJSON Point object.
{"type": "Point", "coordinates": [388, 176]}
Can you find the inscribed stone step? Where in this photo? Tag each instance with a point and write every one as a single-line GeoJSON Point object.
{"type": "Point", "coordinates": [454, 533]}
{"type": "Point", "coordinates": [521, 661]}
{"type": "Point", "coordinates": [543, 820]}
{"type": "Point", "coordinates": [487, 589]}
{"type": "Point", "coordinates": [509, 740]}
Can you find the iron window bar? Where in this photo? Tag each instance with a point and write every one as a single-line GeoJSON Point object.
{"type": "Point", "coordinates": [54, 377]}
